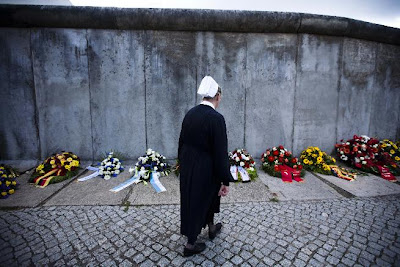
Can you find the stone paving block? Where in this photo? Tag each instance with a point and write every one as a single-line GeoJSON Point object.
{"type": "Point", "coordinates": [27, 195]}
{"type": "Point", "coordinates": [94, 191]}
{"type": "Point", "coordinates": [364, 186]}
{"type": "Point", "coordinates": [311, 188]}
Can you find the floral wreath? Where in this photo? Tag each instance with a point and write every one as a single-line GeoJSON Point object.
{"type": "Point", "coordinates": [274, 157]}
{"type": "Point", "coordinates": [8, 184]}
{"type": "Point", "coordinates": [55, 169]}
{"type": "Point", "coordinates": [242, 158]}
{"type": "Point", "coordinates": [152, 161]}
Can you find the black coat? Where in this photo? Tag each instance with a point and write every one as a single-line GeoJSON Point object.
{"type": "Point", "coordinates": [204, 166]}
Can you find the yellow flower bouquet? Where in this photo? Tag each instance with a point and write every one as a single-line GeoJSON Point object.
{"type": "Point", "coordinates": [8, 184]}
{"type": "Point", "coordinates": [390, 155]}
{"type": "Point", "coordinates": [315, 160]}
{"type": "Point", "coordinates": [55, 169]}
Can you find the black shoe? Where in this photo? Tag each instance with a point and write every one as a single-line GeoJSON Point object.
{"type": "Point", "coordinates": [198, 247]}
{"type": "Point", "coordinates": [213, 234]}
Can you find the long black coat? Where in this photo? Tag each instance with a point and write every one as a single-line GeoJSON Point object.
{"type": "Point", "coordinates": [204, 165]}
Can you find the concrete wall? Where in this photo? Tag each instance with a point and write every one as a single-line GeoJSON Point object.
{"type": "Point", "coordinates": [93, 90]}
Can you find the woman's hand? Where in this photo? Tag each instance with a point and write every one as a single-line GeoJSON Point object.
{"type": "Point", "coordinates": [223, 191]}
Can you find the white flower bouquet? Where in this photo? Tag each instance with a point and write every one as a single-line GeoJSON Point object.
{"type": "Point", "coordinates": [110, 167]}
{"type": "Point", "coordinates": [152, 161]}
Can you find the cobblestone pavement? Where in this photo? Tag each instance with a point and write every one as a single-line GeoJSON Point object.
{"type": "Point", "coordinates": [347, 232]}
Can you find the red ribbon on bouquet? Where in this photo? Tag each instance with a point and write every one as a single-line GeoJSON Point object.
{"type": "Point", "coordinates": [287, 173]}
{"type": "Point", "coordinates": [386, 174]}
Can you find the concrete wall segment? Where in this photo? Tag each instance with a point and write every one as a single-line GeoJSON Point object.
{"type": "Point", "coordinates": [223, 56]}
{"type": "Point", "coordinates": [271, 63]}
{"type": "Point", "coordinates": [385, 112]}
{"type": "Point", "coordinates": [18, 125]}
{"type": "Point", "coordinates": [170, 76]}
{"type": "Point", "coordinates": [356, 88]}
{"type": "Point", "coordinates": [62, 91]}
{"type": "Point", "coordinates": [116, 71]}
{"type": "Point", "coordinates": [316, 93]}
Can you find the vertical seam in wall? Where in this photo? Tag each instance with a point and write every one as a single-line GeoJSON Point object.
{"type": "Point", "coordinates": [373, 86]}
{"type": "Point", "coordinates": [338, 88]}
{"type": "Point", "coordinates": [36, 114]}
{"type": "Point", "coordinates": [295, 87]}
{"type": "Point", "coordinates": [90, 92]}
{"type": "Point", "coordinates": [246, 86]}
{"type": "Point", "coordinates": [145, 36]}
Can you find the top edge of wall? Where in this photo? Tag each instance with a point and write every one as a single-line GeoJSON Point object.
{"type": "Point", "coordinates": [31, 16]}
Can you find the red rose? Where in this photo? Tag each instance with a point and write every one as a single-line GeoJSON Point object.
{"type": "Point", "coordinates": [281, 155]}
{"type": "Point", "coordinates": [286, 160]}
{"type": "Point", "coordinates": [295, 167]}
{"type": "Point", "coordinates": [270, 158]}
{"type": "Point", "coordinates": [268, 152]}
{"type": "Point", "coordinates": [276, 152]}
{"type": "Point", "coordinates": [276, 168]}
{"type": "Point", "coordinates": [280, 147]}
{"type": "Point", "coordinates": [300, 167]}
{"type": "Point", "coordinates": [294, 160]}
{"type": "Point", "coordinates": [280, 159]}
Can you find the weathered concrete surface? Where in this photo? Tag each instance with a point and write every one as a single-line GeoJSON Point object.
{"type": "Point", "coordinates": [316, 93]}
{"type": "Point", "coordinates": [356, 88]}
{"type": "Point", "coordinates": [18, 131]}
{"type": "Point", "coordinates": [223, 56]}
{"type": "Point", "coordinates": [95, 191]}
{"type": "Point", "coordinates": [192, 20]}
{"type": "Point", "coordinates": [146, 195]}
{"type": "Point", "coordinates": [385, 115]}
{"type": "Point", "coordinates": [238, 192]}
{"type": "Point", "coordinates": [364, 186]}
{"type": "Point", "coordinates": [311, 189]}
{"type": "Point", "coordinates": [28, 195]}
{"type": "Point", "coordinates": [116, 72]}
{"type": "Point", "coordinates": [170, 87]}
{"type": "Point", "coordinates": [247, 192]}
{"type": "Point", "coordinates": [270, 91]}
{"type": "Point", "coordinates": [62, 91]}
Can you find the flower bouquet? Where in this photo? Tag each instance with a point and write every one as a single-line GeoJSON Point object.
{"type": "Point", "coordinates": [242, 165]}
{"type": "Point", "coordinates": [318, 161]}
{"type": "Point", "coordinates": [390, 155]}
{"type": "Point", "coordinates": [364, 153]}
{"type": "Point", "coordinates": [359, 152]}
{"type": "Point", "coordinates": [149, 163]}
{"type": "Point", "coordinates": [110, 167]}
{"type": "Point", "coordinates": [279, 162]}
{"type": "Point", "coordinates": [149, 168]}
{"type": "Point", "coordinates": [55, 169]}
{"type": "Point", "coordinates": [8, 184]}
